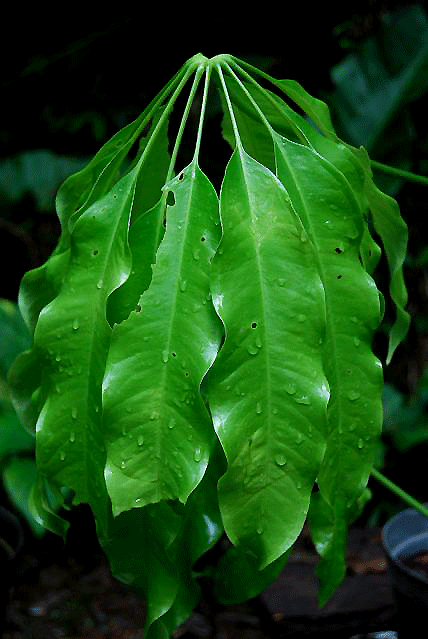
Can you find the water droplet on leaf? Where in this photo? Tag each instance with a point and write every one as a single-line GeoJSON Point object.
{"type": "Point", "coordinates": [198, 455]}
{"type": "Point", "coordinates": [72, 437]}
{"type": "Point", "coordinates": [75, 324]}
{"type": "Point", "coordinates": [280, 460]}
{"type": "Point", "coordinates": [140, 440]}
{"type": "Point", "coordinates": [259, 408]}
{"type": "Point", "coordinates": [74, 413]}
{"type": "Point", "coordinates": [165, 356]}
{"type": "Point", "coordinates": [183, 285]}
{"type": "Point", "coordinates": [303, 400]}
{"type": "Point", "coordinates": [290, 389]}
{"type": "Point", "coordinates": [353, 395]}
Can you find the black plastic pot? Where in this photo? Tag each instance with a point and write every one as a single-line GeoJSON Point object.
{"type": "Point", "coordinates": [11, 541]}
{"type": "Point", "coordinates": [405, 540]}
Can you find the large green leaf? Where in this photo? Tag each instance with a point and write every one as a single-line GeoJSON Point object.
{"type": "Point", "coordinates": [332, 217]}
{"type": "Point", "coordinates": [267, 391]}
{"type": "Point", "coordinates": [70, 348]}
{"type": "Point", "coordinates": [157, 428]}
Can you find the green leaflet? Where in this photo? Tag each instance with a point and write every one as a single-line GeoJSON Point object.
{"type": "Point", "coordinates": [70, 348]}
{"type": "Point", "coordinates": [267, 391]}
{"type": "Point", "coordinates": [332, 218]}
{"type": "Point", "coordinates": [157, 428]}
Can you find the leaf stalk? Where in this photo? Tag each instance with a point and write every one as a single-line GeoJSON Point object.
{"type": "Point", "coordinates": [408, 499]}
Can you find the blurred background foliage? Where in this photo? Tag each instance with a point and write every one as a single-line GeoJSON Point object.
{"type": "Point", "coordinates": [69, 82]}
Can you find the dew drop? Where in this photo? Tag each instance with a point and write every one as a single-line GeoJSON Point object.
{"type": "Point", "coordinates": [360, 443]}
{"type": "Point", "coordinates": [123, 464]}
{"type": "Point", "coordinates": [196, 255]}
{"type": "Point", "coordinates": [290, 389]}
{"type": "Point", "coordinates": [165, 356]}
{"type": "Point", "coordinates": [154, 415]}
{"type": "Point", "coordinates": [183, 285]}
{"type": "Point", "coordinates": [74, 413]}
{"type": "Point", "coordinates": [260, 530]}
{"type": "Point", "coordinates": [281, 282]}
{"type": "Point", "coordinates": [171, 423]}
{"type": "Point", "coordinates": [100, 284]}
{"type": "Point", "coordinates": [357, 341]}
{"type": "Point", "coordinates": [75, 324]}
{"type": "Point", "coordinates": [353, 395]}
{"type": "Point", "coordinates": [252, 349]}
{"type": "Point", "coordinates": [280, 460]}
{"type": "Point", "coordinates": [301, 317]}
{"type": "Point", "coordinates": [72, 437]}
{"type": "Point", "coordinates": [299, 438]}
{"type": "Point", "coordinates": [140, 440]}
{"type": "Point", "coordinates": [259, 408]}
{"type": "Point", "coordinates": [62, 455]}
{"type": "Point", "coordinates": [303, 400]}
{"type": "Point", "coordinates": [197, 455]}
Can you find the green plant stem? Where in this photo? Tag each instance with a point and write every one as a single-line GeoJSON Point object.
{"type": "Point", "coordinates": [408, 499]}
{"type": "Point", "coordinates": [392, 170]}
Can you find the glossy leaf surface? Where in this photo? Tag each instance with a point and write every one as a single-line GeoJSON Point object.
{"type": "Point", "coordinates": [267, 391]}
{"type": "Point", "coordinates": [154, 418]}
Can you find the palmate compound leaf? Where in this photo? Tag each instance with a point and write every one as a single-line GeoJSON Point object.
{"type": "Point", "coordinates": [157, 429]}
{"type": "Point", "coordinates": [267, 391]}
{"type": "Point", "coordinates": [291, 285]}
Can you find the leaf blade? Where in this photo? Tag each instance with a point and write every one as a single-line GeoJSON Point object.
{"type": "Point", "coordinates": [273, 440]}
{"type": "Point", "coordinates": [153, 412]}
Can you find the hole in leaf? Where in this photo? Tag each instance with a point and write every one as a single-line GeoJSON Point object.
{"type": "Point", "coordinates": [254, 325]}
{"type": "Point", "coordinates": [181, 177]}
{"type": "Point", "coordinates": [174, 354]}
{"type": "Point", "coordinates": [338, 250]}
{"type": "Point", "coordinates": [170, 200]}
{"type": "Point", "coordinates": [138, 308]}
{"type": "Point", "coordinates": [203, 238]}
{"type": "Point", "coordinates": [339, 277]}
{"type": "Point", "coordinates": [95, 252]}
